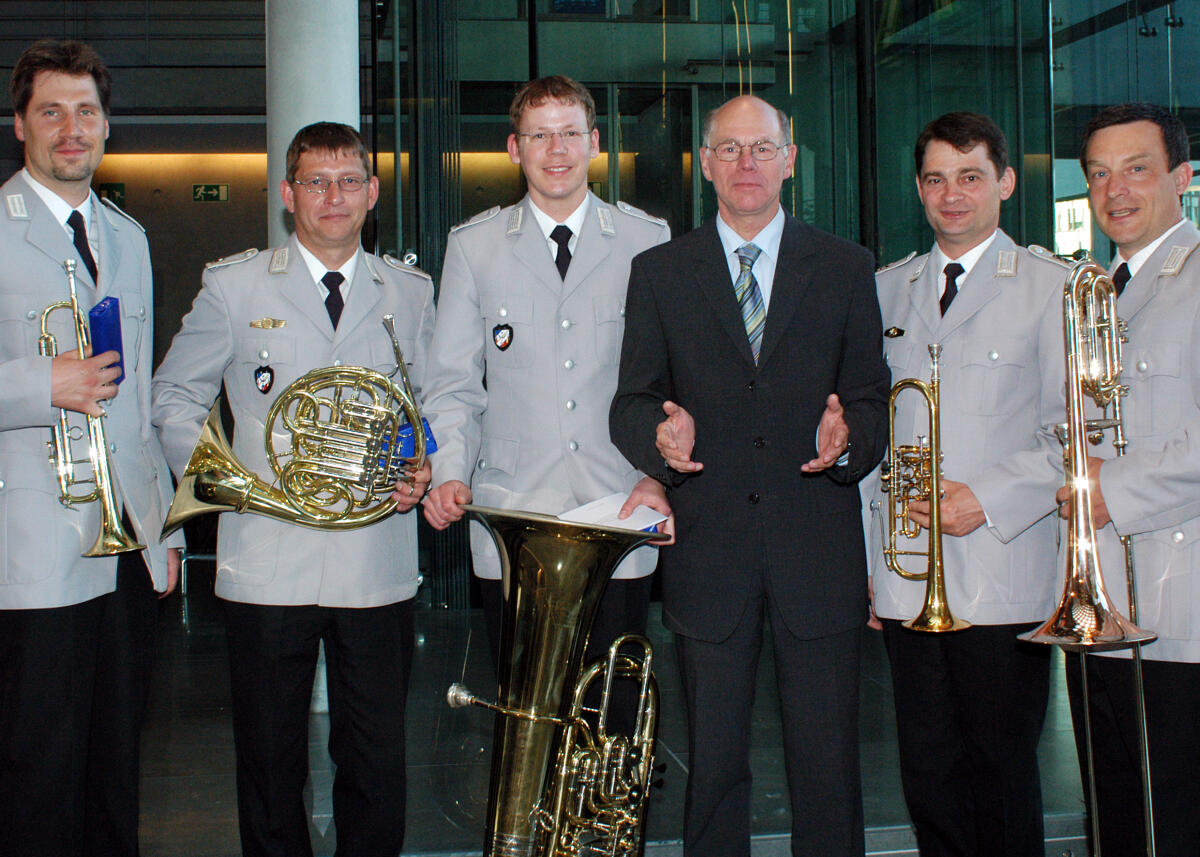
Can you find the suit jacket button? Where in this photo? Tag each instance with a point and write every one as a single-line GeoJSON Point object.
{"type": "Point", "coordinates": [750, 387]}
{"type": "Point", "coordinates": [759, 443]}
{"type": "Point", "coordinates": [753, 498]}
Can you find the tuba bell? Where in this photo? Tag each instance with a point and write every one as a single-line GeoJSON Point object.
{"type": "Point", "coordinates": [561, 784]}
{"type": "Point", "coordinates": [113, 538]}
{"type": "Point", "coordinates": [913, 472]}
{"type": "Point", "coordinates": [352, 433]}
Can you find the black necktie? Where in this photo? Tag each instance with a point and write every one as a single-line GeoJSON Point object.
{"type": "Point", "coordinates": [1120, 277]}
{"type": "Point", "coordinates": [75, 221]}
{"type": "Point", "coordinates": [952, 271]}
{"type": "Point", "coordinates": [333, 301]}
{"type": "Point", "coordinates": [561, 236]}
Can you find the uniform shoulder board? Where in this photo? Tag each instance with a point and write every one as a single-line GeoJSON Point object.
{"type": "Point", "coordinates": [478, 218]}
{"type": "Point", "coordinates": [633, 211]}
{"type": "Point", "coordinates": [232, 260]}
{"type": "Point", "coordinates": [408, 267]}
{"type": "Point", "coordinates": [1043, 253]}
{"type": "Point", "coordinates": [114, 207]}
{"type": "Point", "coordinates": [898, 262]}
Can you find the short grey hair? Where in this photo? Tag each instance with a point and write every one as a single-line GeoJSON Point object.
{"type": "Point", "coordinates": [785, 125]}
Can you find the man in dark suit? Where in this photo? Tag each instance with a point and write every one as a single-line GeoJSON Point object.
{"type": "Point", "coordinates": [752, 383]}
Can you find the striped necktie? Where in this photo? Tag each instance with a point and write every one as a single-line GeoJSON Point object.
{"type": "Point", "coordinates": [749, 297]}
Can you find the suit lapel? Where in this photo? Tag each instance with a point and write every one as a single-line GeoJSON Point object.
{"type": "Point", "coordinates": [530, 248]}
{"type": "Point", "coordinates": [364, 296]}
{"type": "Point", "coordinates": [1159, 271]}
{"type": "Point", "coordinates": [712, 281]}
{"type": "Point", "coordinates": [296, 285]}
{"type": "Point", "coordinates": [995, 267]}
{"type": "Point", "coordinates": [790, 283]}
{"type": "Point", "coordinates": [592, 247]}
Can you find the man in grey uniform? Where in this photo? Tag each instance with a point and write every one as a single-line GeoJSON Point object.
{"type": "Point", "coordinates": [76, 632]}
{"type": "Point", "coordinates": [970, 704]}
{"type": "Point", "coordinates": [1135, 158]}
{"type": "Point", "coordinates": [533, 297]}
{"type": "Point", "coordinates": [261, 321]}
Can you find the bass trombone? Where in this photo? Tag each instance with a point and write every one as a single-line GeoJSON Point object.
{"type": "Point", "coordinates": [913, 473]}
{"type": "Point", "coordinates": [1085, 620]}
{"type": "Point", "coordinates": [353, 432]}
{"type": "Point", "coordinates": [113, 538]}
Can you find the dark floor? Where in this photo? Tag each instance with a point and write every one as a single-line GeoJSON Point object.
{"type": "Point", "coordinates": [189, 809]}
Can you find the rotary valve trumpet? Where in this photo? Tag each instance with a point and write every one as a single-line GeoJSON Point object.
{"type": "Point", "coordinates": [351, 432]}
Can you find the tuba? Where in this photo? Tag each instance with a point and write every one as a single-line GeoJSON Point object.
{"type": "Point", "coordinates": [353, 432]}
{"type": "Point", "coordinates": [1085, 620]}
{"type": "Point", "coordinates": [113, 538]}
{"type": "Point", "coordinates": [914, 472]}
{"type": "Point", "coordinates": [561, 785]}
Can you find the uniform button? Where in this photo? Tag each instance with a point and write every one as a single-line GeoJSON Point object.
{"type": "Point", "coordinates": [570, 404]}
{"type": "Point", "coordinates": [1177, 536]}
{"type": "Point", "coordinates": [482, 464]}
{"type": "Point", "coordinates": [993, 355]}
{"type": "Point", "coordinates": [1141, 366]}
{"type": "Point", "coordinates": [874, 505]}
{"type": "Point", "coordinates": [759, 443]}
{"type": "Point", "coordinates": [112, 447]}
{"type": "Point", "coordinates": [337, 362]}
{"type": "Point", "coordinates": [622, 312]}
{"type": "Point", "coordinates": [1, 483]}
{"type": "Point", "coordinates": [565, 324]}
{"type": "Point", "coordinates": [141, 312]}
{"type": "Point", "coordinates": [753, 498]}
{"type": "Point", "coordinates": [503, 312]}
{"type": "Point", "coordinates": [264, 354]}
{"type": "Point", "coordinates": [750, 387]}
{"type": "Point", "coordinates": [31, 315]}
{"type": "Point", "coordinates": [570, 364]}
{"type": "Point", "coordinates": [573, 446]}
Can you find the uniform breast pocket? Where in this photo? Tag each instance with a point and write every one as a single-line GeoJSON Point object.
{"type": "Point", "coordinates": [992, 369]}
{"type": "Point", "coordinates": [1155, 388]}
{"type": "Point", "coordinates": [133, 325]}
{"type": "Point", "coordinates": [268, 362]}
{"type": "Point", "coordinates": [508, 328]}
{"type": "Point", "coordinates": [610, 328]}
{"type": "Point", "coordinates": [19, 318]}
{"type": "Point", "coordinates": [898, 355]}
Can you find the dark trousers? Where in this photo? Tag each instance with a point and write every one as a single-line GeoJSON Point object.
{"type": "Point", "coordinates": [74, 683]}
{"type": "Point", "coordinates": [1172, 693]}
{"type": "Point", "coordinates": [272, 660]}
{"type": "Point", "coordinates": [969, 712]}
{"type": "Point", "coordinates": [818, 691]}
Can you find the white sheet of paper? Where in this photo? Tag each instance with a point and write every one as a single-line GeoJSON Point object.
{"type": "Point", "coordinates": [604, 512]}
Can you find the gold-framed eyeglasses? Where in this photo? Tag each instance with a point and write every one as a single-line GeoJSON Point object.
{"type": "Point", "coordinates": [569, 137]}
{"type": "Point", "coordinates": [761, 150]}
{"type": "Point", "coordinates": [348, 184]}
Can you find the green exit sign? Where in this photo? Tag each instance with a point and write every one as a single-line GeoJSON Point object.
{"type": "Point", "coordinates": [210, 193]}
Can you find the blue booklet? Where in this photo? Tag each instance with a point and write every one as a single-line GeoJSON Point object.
{"type": "Point", "coordinates": [104, 319]}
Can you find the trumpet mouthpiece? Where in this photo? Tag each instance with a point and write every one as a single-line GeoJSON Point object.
{"type": "Point", "coordinates": [458, 696]}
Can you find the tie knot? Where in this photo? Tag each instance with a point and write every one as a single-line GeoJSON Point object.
{"type": "Point", "coordinates": [75, 220]}
{"type": "Point", "coordinates": [561, 235]}
{"type": "Point", "coordinates": [748, 254]}
{"type": "Point", "coordinates": [333, 281]}
{"type": "Point", "coordinates": [953, 271]}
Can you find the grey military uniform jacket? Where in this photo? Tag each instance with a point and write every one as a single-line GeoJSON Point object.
{"type": "Point", "coordinates": [1153, 491]}
{"type": "Point", "coordinates": [40, 540]}
{"type": "Point", "coordinates": [264, 310]}
{"type": "Point", "coordinates": [1001, 393]}
{"type": "Point", "coordinates": [536, 436]}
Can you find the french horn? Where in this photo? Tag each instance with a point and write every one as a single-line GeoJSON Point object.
{"type": "Point", "coordinates": [351, 432]}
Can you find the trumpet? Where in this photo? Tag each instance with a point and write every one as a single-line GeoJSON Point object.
{"type": "Point", "coordinates": [352, 433]}
{"type": "Point", "coordinates": [913, 473]}
{"type": "Point", "coordinates": [1085, 620]}
{"type": "Point", "coordinates": [113, 538]}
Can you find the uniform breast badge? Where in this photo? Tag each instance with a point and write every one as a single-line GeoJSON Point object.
{"type": "Point", "coordinates": [502, 335]}
{"type": "Point", "coordinates": [264, 379]}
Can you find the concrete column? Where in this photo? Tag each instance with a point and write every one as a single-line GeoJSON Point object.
{"type": "Point", "coordinates": [312, 76]}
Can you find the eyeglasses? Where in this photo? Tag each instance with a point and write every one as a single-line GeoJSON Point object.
{"type": "Point", "coordinates": [570, 137]}
{"type": "Point", "coordinates": [730, 150]}
{"type": "Point", "coordinates": [348, 184]}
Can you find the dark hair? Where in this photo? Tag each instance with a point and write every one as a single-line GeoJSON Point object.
{"type": "Point", "coordinates": [964, 131]}
{"type": "Point", "coordinates": [557, 87]}
{"type": "Point", "coordinates": [1174, 133]}
{"type": "Point", "coordinates": [73, 58]}
{"type": "Point", "coordinates": [331, 137]}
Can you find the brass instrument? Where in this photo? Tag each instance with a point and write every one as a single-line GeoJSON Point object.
{"type": "Point", "coordinates": [561, 785]}
{"type": "Point", "coordinates": [113, 538]}
{"type": "Point", "coordinates": [346, 426]}
{"type": "Point", "coordinates": [1085, 620]}
{"type": "Point", "coordinates": [914, 473]}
